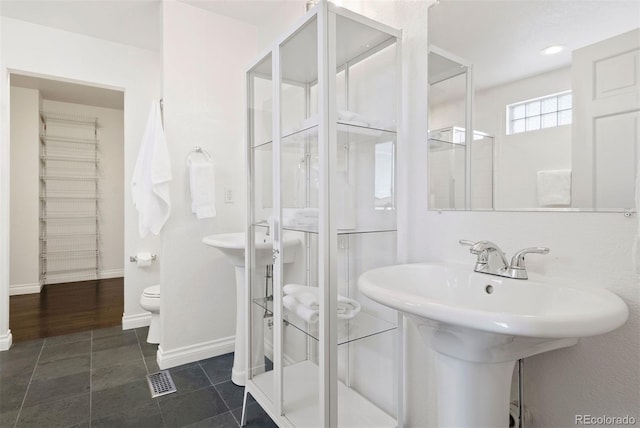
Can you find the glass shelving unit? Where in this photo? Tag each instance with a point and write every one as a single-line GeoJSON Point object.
{"type": "Point", "coordinates": [323, 119]}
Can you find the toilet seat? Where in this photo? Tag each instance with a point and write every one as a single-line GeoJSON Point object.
{"type": "Point", "coordinates": [152, 292]}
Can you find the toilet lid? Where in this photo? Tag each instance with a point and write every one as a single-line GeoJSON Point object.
{"type": "Point", "coordinates": [153, 291]}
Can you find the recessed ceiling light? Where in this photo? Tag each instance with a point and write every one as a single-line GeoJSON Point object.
{"type": "Point", "coordinates": [551, 50]}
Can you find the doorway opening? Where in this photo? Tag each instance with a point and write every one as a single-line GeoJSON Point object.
{"type": "Point", "coordinates": [66, 252]}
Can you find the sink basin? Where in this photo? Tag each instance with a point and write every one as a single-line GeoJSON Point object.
{"type": "Point", "coordinates": [454, 294]}
{"type": "Point", "coordinates": [480, 324]}
{"type": "Point", "coordinates": [232, 245]}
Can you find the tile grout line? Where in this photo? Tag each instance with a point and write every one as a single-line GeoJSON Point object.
{"type": "Point", "coordinates": [144, 361]}
{"type": "Point", "coordinates": [24, 399]}
{"type": "Point", "coordinates": [216, 389]}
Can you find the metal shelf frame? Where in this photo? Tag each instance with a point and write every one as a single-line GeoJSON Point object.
{"type": "Point", "coordinates": [69, 197]}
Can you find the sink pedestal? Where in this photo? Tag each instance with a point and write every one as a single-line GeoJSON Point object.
{"type": "Point", "coordinates": [475, 370]}
{"type": "Point", "coordinates": [239, 370]}
{"type": "Point", "coordinates": [232, 246]}
{"type": "Point", "coordinates": [473, 395]}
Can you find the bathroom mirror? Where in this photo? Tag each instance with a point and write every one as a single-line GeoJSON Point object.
{"type": "Point", "coordinates": [551, 131]}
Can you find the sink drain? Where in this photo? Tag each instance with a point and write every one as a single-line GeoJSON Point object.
{"type": "Point", "coordinates": [160, 383]}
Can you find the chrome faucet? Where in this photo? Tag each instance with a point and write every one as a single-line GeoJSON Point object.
{"type": "Point", "coordinates": [487, 264]}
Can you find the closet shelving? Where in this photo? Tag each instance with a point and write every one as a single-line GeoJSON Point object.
{"type": "Point", "coordinates": [69, 198]}
{"type": "Point", "coordinates": [323, 119]}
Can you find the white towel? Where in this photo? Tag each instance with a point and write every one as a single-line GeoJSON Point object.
{"type": "Point", "coordinates": [308, 297]}
{"type": "Point", "coordinates": [300, 217]}
{"type": "Point", "coordinates": [151, 177]}
{"type": "Point", "coordinates": [352, 118]}
{"type": "Point", "coordinates": [554, 187]}
{"type": "Point", "coordinates": [203, 189]}
{"type": "Point", "coordinates": [307, 314]}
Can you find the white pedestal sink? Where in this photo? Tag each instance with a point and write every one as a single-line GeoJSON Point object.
{"type": "Point", "coordinates": [232, 245]}
{"type": "Point", "coordinates": [480, 325]}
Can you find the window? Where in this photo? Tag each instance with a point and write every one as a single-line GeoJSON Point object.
{"type": "Point", "coordinates": [544, 112]}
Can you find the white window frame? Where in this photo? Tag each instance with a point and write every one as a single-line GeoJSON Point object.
{"type": "Point", "coordinates": [533, 114]}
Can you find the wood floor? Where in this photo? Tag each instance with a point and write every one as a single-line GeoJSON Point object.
{"type": "Point", "coordinates": [67, 308]}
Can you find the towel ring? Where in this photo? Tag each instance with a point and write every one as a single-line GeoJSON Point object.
{"type": "Point", "coordinates": [200, 150]}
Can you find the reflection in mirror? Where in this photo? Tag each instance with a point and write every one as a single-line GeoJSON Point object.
{"type": "Point", "coordinates": [560, 131]}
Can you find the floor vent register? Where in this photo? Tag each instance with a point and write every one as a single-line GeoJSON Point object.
{"type": "Point", "coordinates": [161, 383]}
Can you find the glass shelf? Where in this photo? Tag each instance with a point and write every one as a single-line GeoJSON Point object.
{"type": "Point", "coordinates": [441, 145]}
{"type": "Point", "coordinates": [352, 128]}
{"type": "Point", "coordinates": [313, 229]}
{"type": "Point", "coordinates": [361, 326]}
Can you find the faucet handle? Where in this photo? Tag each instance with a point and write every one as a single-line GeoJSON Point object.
{"type": "Point", "coordinates": [474, 246]}
{"type": "Point", "coordinates": [517, 261]}
{"type": "Point", "coordinates": [477, 249]}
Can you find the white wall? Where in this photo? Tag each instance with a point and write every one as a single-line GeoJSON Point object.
{"type": "Point", "coordinates": [46, 52]}
{"type": "Point", "coordinates": [25, 184]}
{"type": "Point", "coordinates": [111, 183]}
{"type": "Point", "coordinates": [519, 157]}
{"type": "Point", "coordinates": [204, 62]}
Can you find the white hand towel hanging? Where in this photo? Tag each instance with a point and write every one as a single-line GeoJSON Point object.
{"type": "Point", "coordinates": [150, 184]}
{"type": "Point", "coordinates": [203, 186]}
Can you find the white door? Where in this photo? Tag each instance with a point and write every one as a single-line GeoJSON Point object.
{"type": "Point", "coordinates": [606, 123]}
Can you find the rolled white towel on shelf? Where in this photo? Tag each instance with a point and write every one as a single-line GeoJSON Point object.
{"type": "Point", "coordinates": [353, 118]}
{"type": "Point", "coordinates": [308, 297]}
{"type": "Point", "coordinates": [347, 308]}
{"type": "Point", "coordinates": [307, 314]}
{"type": "Point", "coordinates": [300, 217]}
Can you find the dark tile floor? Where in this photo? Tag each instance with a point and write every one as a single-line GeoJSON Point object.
{"type": "Point", "coordinates": [98, 379]}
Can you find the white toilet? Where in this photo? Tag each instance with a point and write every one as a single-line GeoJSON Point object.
{"type": "Point", "coordinates": [150, 301]}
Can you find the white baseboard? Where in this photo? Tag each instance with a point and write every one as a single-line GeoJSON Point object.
{"type": "Point", "coordinates": [6, 340]}
{"type": "Point", "coordinates": [136, 321]}
{"type": "Point", "coordinates": [104, 274]}
{"type": "Point", "coordinates": [18, 289]}
{"type": "Point", "coordinates": [111, 273]}
{"type": "Point", "coordinates": [191, 353]}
